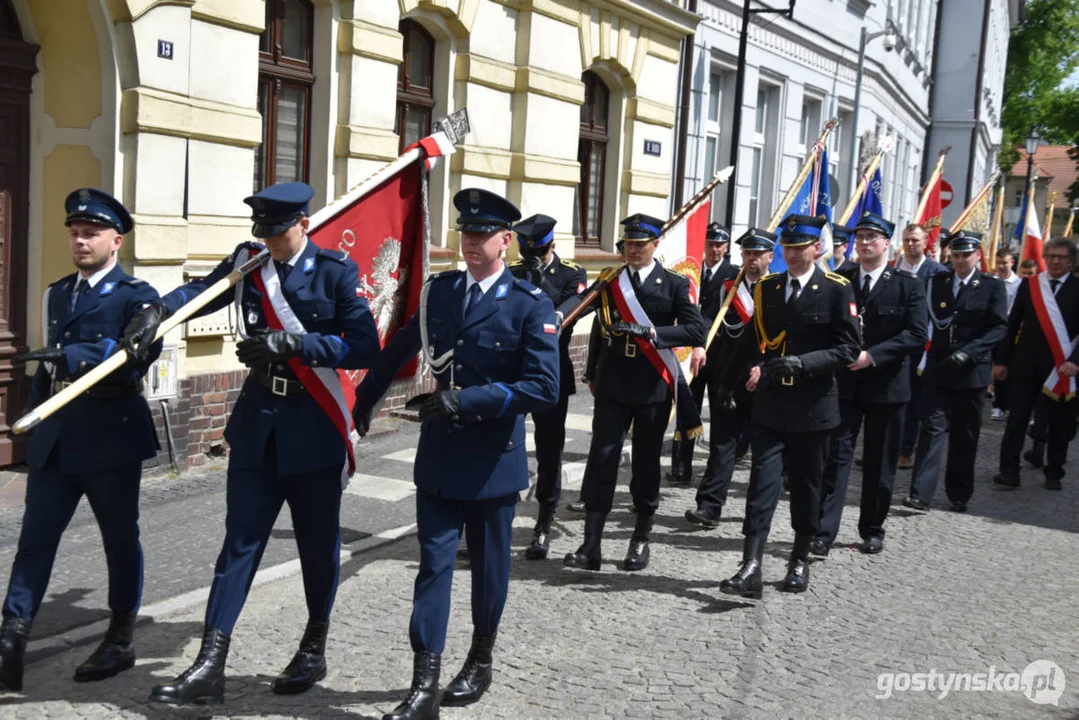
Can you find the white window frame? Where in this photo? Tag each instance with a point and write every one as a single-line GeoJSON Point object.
{"type": "Point", "coordinates": [764, 153]}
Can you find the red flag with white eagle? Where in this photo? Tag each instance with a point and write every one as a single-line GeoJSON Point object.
{"type": "Point", "coordinates": [383, 225]}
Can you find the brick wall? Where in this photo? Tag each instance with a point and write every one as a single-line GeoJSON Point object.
{"type": "Point", "coordinates": [197, 416]}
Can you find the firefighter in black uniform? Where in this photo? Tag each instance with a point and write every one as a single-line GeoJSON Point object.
{"type": "Point", "coordinates": [841, 238]}
{"type": "Point", "coordinates": [645, 312]}
{"type": "Point", "coordinates": [560, 280]}
{"type": "Point", "coordinates": [805, 329]}
{"type": "Point", "coordinates": [715, 271]}
{"type": "Point", "coordinates": [729, 402]}
{"type": "Point", "coordinates": [875, 388]}
{"type": "Point", "coordinates": [968, 317]}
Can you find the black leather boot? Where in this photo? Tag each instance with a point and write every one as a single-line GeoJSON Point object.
{"type": "Point", "coordinates": [638, 553]}
{"type": "Point", "coordinates": [116, 652]}
{"type": "Point", "coordinates": [422, 702]}
{"type": "Point", "coordinates": [747, 582]}
{"type": "Point", "coordinates": [14, 634]}
{"type": "Point", "coordinates": [475, 677]}
{"type": "Point", "coordinates": [588, 555]}
{"type": "Point", "coordinates": [308, 665]}
{"type": "Point", "coordinates": [204, 682]}
{"type": "Point", "coordinates": [541, 536]}
{"type": "Point", "coordinates": [797, 579]}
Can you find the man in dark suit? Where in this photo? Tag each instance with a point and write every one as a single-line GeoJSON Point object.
{"type": "Point", "coordinates": [717, 269]}
{"type": "Point", "coordinates": [968, 318]}
{"type": "Point", "coordinates": [492, 340]}
{"type": "Point", "coordinates": [805, 329]}
{"type": "Point", "coordinates": [1044, 361]}
{"type": "Point", "coordinates": [875, 388]}
{"type": "Point", "coordinates": [730, 404]}
{"type": "Point", "coordinates": [841, 244]}
{"type": "Point", "coordinates": [915, 261]}
{"type": "Point", "coordinates": [560, 280]}
{"type": "Point", "coordinates": [645, 312]}
{"type": "Point", "coordinates": [93, 446]}
{"type": "Point", "coordinates": [301, 317]}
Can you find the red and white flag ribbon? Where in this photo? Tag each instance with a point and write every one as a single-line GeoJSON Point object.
{"type": "Point", "coordinates": [1056, 386]}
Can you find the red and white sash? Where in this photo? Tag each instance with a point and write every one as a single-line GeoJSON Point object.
{"type": "Point", "coordinates": [323, 384]}
{"type": "Point", "coordinates": [1061, 345]}
{"type": "Point", "coordinates": [664, 361]}
{"type": "Point", "coordinates": [742, 302]}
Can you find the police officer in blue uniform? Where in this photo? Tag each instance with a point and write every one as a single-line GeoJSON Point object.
{"type": "Point", "coordinates": [875, 388]}
{"type": "Point", "coordinates": [492, 342]}
{"type": "Point", "coordinates": [805, 329]}
{"type": "Point", "coordinates": [630, 389]}
{"type": "Point", "coordinates": [285, 446]}
{"type": "Point", "coordinates": [560, 280]}
{"type": "Point", "coordinates": [93, 446]}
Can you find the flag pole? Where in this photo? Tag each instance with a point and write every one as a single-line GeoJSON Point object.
{"type": "Point", "coordinates": [860, 191]}
{"type": "Point", "coordinates": [1049, 215]}
{"type": "Point", "coordinates": [995, 228]}
{"type": "Point", "coordinates": [1071, 219]}
{"type": "Point", "coordinates": [773, 223]}
{"type": "Point", "coordinates": [978, 197]}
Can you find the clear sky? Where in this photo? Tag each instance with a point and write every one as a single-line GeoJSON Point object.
{"type": "Point", "coordinates": [1073, 79]}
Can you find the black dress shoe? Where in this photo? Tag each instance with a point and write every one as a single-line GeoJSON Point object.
{"type": "Point", "coordinates": [423, 699]}
{"type": "Point", "coordinates": [676, 478]}
{"type": "Point", "coordinates": [873, 545]}
{"type": "Point", "coordinates": [704, 517]}
{"type": "Point", "coordinates": [916, 503]}
{"type": "Point", "coordinates": [1035, 459]}
{"type": "Point", "coordinates": [958, 507]}
{"type": "Point", "coordinates": [14, 634]}
{"type": "Point", "coordinates": [860, 462]}
{"type": "Point", "coordinates": [577, 506]}
{"type": "Point", "coordinates": [1053, 476]}
{"type": "Point", "coordinates": [1006, 480]}
{"type": "Point", "coordinates": [638, 554]}
{"type": "Point", "coordinates": [204, 682]}
{"type": "Point", "coordinates": [747, 582]}
{"type": "Point", "coordinates": [308, 665]}
{"type": "Point", "coordinates": [588, 555]}
{"type": "Point", "coordinates": [116, 652]}
{"type": "Point", "coordinates": [819, 548]}
{"type": "Point", "coordinates": [475, 677]}
{"type": "Point", "coordinates": [797, 579]}
{"type": "Point", "coordinates": [541, 543]}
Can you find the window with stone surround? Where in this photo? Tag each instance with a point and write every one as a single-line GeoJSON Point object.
{"type": "Point", "coordinates": [592, 155]}
{"type": "Point", "coordinates": [415, 85]}
{"type": "Point", "coordinates": [286, 78]}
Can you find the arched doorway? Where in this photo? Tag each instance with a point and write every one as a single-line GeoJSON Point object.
{"type": "Point", "coordinates": [17, 66]}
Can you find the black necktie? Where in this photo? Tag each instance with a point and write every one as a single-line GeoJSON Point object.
{"type": "Point", "coordinates": [472, 299]}
{"type": "Point", "coordinates": [1053, 285]}
{"type": "Point", "coordinates": [283, 269]}
{"type": "Point", "coordinates": [795, 288]}
{"type": "Point", "coordinates": [707, 275]}
{"type": "Point", "coordinates": [636, 278]}
{"type": "Point", "coordinates": [865, 290]}
{"type": "Point", "coordinates": [959, 292]}
{"type": "Point", "coordinates": [77, 292]}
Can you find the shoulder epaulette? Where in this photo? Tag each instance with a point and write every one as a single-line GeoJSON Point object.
{"type": "Point", "coordinates": [528, 288]}
{"type": "Point", "coordinates": [445, 274]}
{"type": "Point", "coordinates": [339, 256]}
{"type": "Point", "coordinates": [64, 279]}
{"type": "Point", "coordinates": [570, 264]}
{"type": "Point", "coordinates": [769, 276]}
{"type": "Point", "coordinates": [133, 281]}
{"type": "Point", "coordinates": [517, 263]}
{"type": "Point", "coordinates": [905, 273]}
{"type": "Point", "coordinates": [836, 277]}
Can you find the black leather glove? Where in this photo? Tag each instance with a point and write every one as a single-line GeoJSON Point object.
{"type": "Point", "coordinates": [269, 347]}
{"type": "Point", "coordinates": [957, 361]}
{"type": "Point", "coordinates": [781, 367]}
{"type": "Point", "coordinates": [446, 403]}
{"type": "Point", "coordinates": [141, 330]}
{"type": "Point", "coordinates": [631, 329]}
{"type": "Point", "coordinates": [361, 418]}
{"type": "Point", "coordinates": [726, 400]}
{"type": "Point", "coordinates": [46, 354]}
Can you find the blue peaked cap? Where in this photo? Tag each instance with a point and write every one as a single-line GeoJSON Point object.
{"type": "Point", "coordinates": [96, 206]}
{"type": "Point", "coordinates": [483, 211]}
{"type": "Point", "coordinates": [278, 207]}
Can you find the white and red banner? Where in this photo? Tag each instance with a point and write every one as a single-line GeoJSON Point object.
{"type": "Point", "coordinates": [930, 216]}
{"type": "Point", "coordinates": [681, 249]}
{"type": "Point", "coordinates": [1032, 238]}
{"type": "Point", "coordinates": [1057, 386]}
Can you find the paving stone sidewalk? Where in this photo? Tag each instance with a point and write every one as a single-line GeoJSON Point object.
{"type": "Point", "coordinates": [991, 592]}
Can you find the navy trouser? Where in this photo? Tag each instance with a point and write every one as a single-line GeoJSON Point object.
{"type": "Point", "coordinates": [254, 499]}
{"type": "Point", "coordinates": [805, 455]}
{"type": "Point", "coordinates": [51, 499]}
{"type": "Point", "coordinates": [488, 527]}
{"type": "Point", "coordinates": [950, 427]}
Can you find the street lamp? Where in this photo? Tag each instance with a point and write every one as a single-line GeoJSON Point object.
{"type": "Point", "coordinates": [1030, 144]}
{"type": "Point", "coordinates": [891, 40]}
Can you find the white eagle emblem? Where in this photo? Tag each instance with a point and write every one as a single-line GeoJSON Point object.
{"type": "Point", "coordinates": [385, 287]}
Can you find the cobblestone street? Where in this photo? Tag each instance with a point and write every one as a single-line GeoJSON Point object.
{"type": "Point", "coordinates": [986, 592]}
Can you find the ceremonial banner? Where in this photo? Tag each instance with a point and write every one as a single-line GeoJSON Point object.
{"type": "Point", "coordinates": [386, 232]}
{"type": "Point", "coordinates": [814, 198]}
{"type": "Point", "coordinates": [929, 213]}
{"type": "Point", "coordinates": [1030, 235]}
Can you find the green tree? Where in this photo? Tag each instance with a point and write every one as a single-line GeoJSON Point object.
{"type": "Point", "coordinates": [1042, 53]}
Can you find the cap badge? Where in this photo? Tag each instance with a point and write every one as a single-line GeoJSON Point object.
{"type": "Point", "coordinates": [84, 196]}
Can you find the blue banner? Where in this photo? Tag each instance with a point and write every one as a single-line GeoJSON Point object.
{"type": "Point", "coordinates": [813, 198]}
